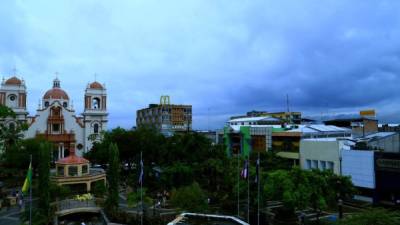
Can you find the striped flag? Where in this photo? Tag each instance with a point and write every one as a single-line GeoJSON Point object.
{"type": "Point", "coordinates": [141, 172]}
{"type": "Point", "coordinates": [245, 171]}
{"type": "Point", "coordinates": [257, 170]}
{"type": "Point", "coordinates": [28, 180]}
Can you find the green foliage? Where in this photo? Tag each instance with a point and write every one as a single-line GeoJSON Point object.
{"type": "Point", "coordinates": [6, 112]}
{"type": "Point", "coordinates": [99, 189]}
{"type": "Point", "coordinates": [113, 180]}
{"type": "Point", "coordinates": [44, 179]}
{"type": "Point", "coordinates": [191, 198]}
{"type": "Point", "coordinates": [58, 192]}
{"type": "Point", "coordinates": [10, 136]}
{"type": "Point", "coordinates": [373, 216]}
{"type": "Point", "coordinates": [134, 198]}
{"type": "Point", "coordinates": [300, 189]}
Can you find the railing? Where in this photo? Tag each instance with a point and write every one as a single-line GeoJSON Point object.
{"type": "Point", "coordinates": [74, 204]}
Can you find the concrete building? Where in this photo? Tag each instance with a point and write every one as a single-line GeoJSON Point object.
{"type": "Point", "coordinates": [360, 126]}
{"type": "Point", "coordinates": [258, 120]}
{"type": "Point", "coordinates": [284, 117]}
{"type": "Point", "coordinates": [266, 133]}
{"type": "Point", "coordinates": [167, 118]}
{"type": "Point", "coordinates": [244, 139]}
{"type": "Point", "coordinates": [382, 141]}
{"type": "Point", "coordinates": [323, 153]}
{"type": "Point", "coordinates": [375, 174]}
{"type": "Point", "coordinates": [389, 127]}
{"type": "Point", "coordinates": [55, 118]}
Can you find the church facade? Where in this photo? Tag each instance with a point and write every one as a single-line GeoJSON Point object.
{"type": "Point", "coordinates": [55, 119]}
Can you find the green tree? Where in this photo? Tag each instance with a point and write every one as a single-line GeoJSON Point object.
{"type": "Point", "coordinates": [300, 189]}
{"type": "Point", "coordinates": [191, 198]}
{"type": "Point", "coordinates": [44, 180]}
{"type": "Point", "coordinates": [99, 189]}
{"type": "Point", "coordinates": [59, 192]}
{"type": "Point", "coordinates": [373, 216]}
{"type": "Point", "coordinates": [134, 198]}
{"type": "Point", "coordinates": [10, 135]}
{"type": "Point", "coordinates": [113, 180]}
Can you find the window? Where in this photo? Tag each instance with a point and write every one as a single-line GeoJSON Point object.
{"type": "Point", "coordinates": [308, 164]}
{"type": "Point", "coordinates": [72, 171]}
{"type": "Point", "coordinates": [65, 105]}
{"type": "Point", "coordinates": [314, 164]}
{"type": "Point", "coordinates": [96, 128]}
{"type": "Point", "coordinates": [60, 171]}
{"type": "Point", "coordinates": [323, 165]}
{"type": "Point", "coordinates": [46, 104]}
{"type": "Point", "coordinates": [84, 169]}
{"type": "Point", "coordinates": [56, 127]}
{"type": "Point", "coordinates": [331, 165]}
{"type": "Point", "coordinates": [96, 103]}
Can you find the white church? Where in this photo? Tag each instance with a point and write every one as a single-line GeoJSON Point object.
{"type": "Point", "coordinates": [55, 118]}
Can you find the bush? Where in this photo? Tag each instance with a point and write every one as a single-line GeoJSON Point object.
{"type": "Point", "coordinates": [190, 198]}
{"type": "Point", "coordinates": [99, 189]}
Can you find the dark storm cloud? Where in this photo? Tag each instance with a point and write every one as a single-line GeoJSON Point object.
{"type": "Point", "coordinates": [223, 57]}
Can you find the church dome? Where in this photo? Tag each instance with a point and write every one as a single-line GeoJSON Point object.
{"type": "Point", "coordinates": [13, 81]}
{"type": "Point", "coordinates": [96, 85]}
{"type": "Point", "coordinates": [56, 92]}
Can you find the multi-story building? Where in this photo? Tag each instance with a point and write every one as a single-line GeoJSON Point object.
{"type": "Point", "coordinates": [266, 133]}
{"type": "Point", "coordinates": [55, 118]}
{"type": "Point", "coordinates": [391, 127]}
{"type": "Point", "coordinates": [323, 153]}
{"type": "Point", "coordinates": [360, 126]}
{"type": "Point", "coordinates": [167, 118]}
{"type": "Point", "coordinates": [284, 117]}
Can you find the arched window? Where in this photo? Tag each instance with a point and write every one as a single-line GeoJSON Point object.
{"type": "Point", "coordinates": [46, 104]}
{"type": "Point", "coordinates": [65, 105]}
{"type": "Point", "coordinates": [96, 103]}
{"type": "Point", "coordinates": [96, 128]}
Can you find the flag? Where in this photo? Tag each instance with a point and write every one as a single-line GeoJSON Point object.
{"type": "Point", "coordinates": [28, 180]}
{"type": "Point", "coordinates": [141, 172]}
{"type": "Point", "coordinates": [257, 170]}
{"type": "Point", "coordinates": [245, 171]}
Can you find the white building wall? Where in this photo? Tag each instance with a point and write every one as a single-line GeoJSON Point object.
{"type": "Point", "coordinates": [359, 165]}
{"type": "Point", "coordinates": [320, 154]}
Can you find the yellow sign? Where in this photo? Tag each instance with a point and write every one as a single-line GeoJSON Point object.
{"type": "Point", "coordinates": [370, 112]}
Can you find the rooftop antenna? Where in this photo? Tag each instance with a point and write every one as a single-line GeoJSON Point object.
{"type": "Point", "coordinates": [287, 103]}
{"type": "Point", "coordinates": [288, 109]}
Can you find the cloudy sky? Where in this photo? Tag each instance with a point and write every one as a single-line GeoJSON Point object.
{"type": "Point", "coordinates": [225, 57]}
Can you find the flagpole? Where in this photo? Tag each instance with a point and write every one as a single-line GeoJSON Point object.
{"type": "Point", "coordinates": [141, 190]}
{"type": "Point", "coordinates": [238, 186]}
{"type": "Point", "coordinates": [30, 199]}
{"type": "Point", "coordinates": [258, 190]}
{"type": "Point", "coordinates": [248, 187]}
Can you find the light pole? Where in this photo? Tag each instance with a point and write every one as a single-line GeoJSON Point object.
{"type": "Point", "coordinates": [340, 206]}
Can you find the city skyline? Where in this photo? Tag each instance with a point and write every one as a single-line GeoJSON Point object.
{"type": "Point", "coordinates": [224, 58]}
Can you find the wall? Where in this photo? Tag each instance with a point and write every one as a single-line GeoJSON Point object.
{"type": "Point", "coordinates": [320, 153]}
{"type": "Point", "coordinates": [388, 144]}
{"type": "Point", "coordinates": [359, 165]}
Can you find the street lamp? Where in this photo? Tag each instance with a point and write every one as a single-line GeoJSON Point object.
{"type": "Point", "coordinates": [340, 206]}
